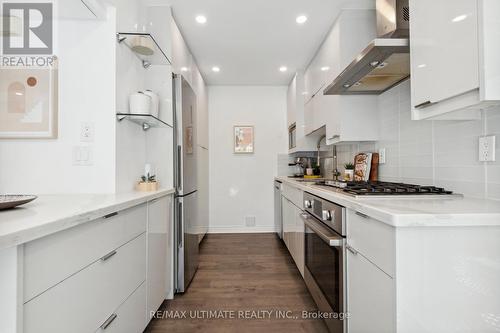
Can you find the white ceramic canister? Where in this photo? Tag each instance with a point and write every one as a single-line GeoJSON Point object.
{"type": "Point", "coordinates": [155, 102]}
{"type": "Point", "coordinates": [140, 103]}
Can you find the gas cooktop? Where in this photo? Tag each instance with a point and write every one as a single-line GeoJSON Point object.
{"type": "Point", "coordinates": [383, 188]}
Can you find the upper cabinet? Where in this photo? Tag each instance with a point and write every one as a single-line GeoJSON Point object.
{"type": "Point", "coordinates": [454, 58]}
{"type": "Point", "coordinates": [346, 118]}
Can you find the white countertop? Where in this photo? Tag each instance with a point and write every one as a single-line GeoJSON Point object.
{"type": "Point", "coordinates": [52, 213]}
{"type": "Point", "coordinates": [413, 211]}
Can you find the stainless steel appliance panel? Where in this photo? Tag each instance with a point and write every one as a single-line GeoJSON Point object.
{"type": "Point", "coordinates": [186, 240]}
{"type": "Point", "coordinates": [327, 212]}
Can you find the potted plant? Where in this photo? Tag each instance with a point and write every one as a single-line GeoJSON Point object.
{"type": "Point", "coordinates": [147, 184]}
{"type": "Point", "coordinates": [349, 172]}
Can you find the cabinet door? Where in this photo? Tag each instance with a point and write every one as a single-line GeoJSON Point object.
{"type": "Point", "coordinates": [371, 297]}
{"type": "Point", "coordinates": [444, 49]}
{"type": "Point", "coordinates": [299, 241]}
{"type": "Point", "coordinates": [309, 117]}
{"type": "Point", "coordinates": [158, 222]}
{"type": "Point", "coordinates": [286, 221]}
{"type": "Point", "coordinates": [291, 105]}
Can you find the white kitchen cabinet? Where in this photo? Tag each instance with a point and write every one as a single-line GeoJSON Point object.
{"type": "Point", "coordinates": [158, 274]}
{"type": "Point", "coordinates": [370, 295]}
{"type": "Point", "coordinates": [182, 59]}
{"type": "Point", "coordinates": [350, 118]}
{"type": "Point", "coordinates": [84, 301]}
{"type": "Point", "coordinates": [346, 118]}
{"type": "Point", "coordinates": [291, 103]}
{"type": "Point", "coordinates": [293, 232]}
{"type": "Point", "coordinates": [454, 58]}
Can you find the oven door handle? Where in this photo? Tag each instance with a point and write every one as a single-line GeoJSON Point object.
{"type": "Point", "coordinates": [330, 237]}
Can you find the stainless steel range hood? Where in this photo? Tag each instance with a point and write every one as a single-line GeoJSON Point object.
{"type": "Point", "coordinates": [385, 61]}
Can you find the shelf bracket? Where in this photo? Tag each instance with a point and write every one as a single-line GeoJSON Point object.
{"type": "Point", "coordinates": [145, 126]}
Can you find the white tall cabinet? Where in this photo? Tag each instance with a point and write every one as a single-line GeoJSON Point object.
{"type": "Point", "coordinates": [454, 57]}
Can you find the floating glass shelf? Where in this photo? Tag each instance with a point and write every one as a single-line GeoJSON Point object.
{"type": "Point", "coordinates": [137, 42]}
{"type": "Point", "coordinates": [145, 120]}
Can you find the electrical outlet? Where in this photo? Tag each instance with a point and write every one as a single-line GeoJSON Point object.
{"type": "Point", "coordinates": [82, 156]}
{"type": "Point", "coordinates": [87, 132]}
{"type": "Point", "coordinates": [381, 156]}
{"type": "Point", "coordinates": [487, 149]}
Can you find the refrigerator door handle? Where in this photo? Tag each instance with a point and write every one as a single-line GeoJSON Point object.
{"type": "Point", "coordinates": [179, 169]}
{"type": "Point", "coordinates": [180, 226]}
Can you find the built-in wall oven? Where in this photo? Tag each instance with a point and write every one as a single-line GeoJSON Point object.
{"type": "Point", "coordinates": [325, 259]}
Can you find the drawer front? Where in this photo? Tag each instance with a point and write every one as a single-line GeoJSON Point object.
{"type": "Point", "coordinates": [52, 259]}
{"type": "Point", "coordinates": [373, 239]}
{"type": "Point", "coordinates": [83, 302]}
{"type": "Point", "coordinates": [293, 194]}
{"type": "Point", "coordinates": [130, 317]}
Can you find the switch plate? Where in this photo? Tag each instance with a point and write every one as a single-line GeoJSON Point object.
{"type": "Point", "coordinates": [82, 156]}
{"type": "Point", "coordinates": [381, 156]}
{"type": "Point", "coordinates": [87, 132]}
{"type": "Point", "coordinates": [487, 148]}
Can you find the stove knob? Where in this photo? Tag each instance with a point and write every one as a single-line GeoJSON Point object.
{"type": "Point", "coordinates": [327, 215]}
{"type": "Point", "coordinates": [308, 204]}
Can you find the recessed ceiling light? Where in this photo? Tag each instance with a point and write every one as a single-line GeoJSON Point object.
{"type": "Point", "coordinates": [459, 18]}
{"type": "Point", "coordinates": [422, 66]}
{"type": "Point", "coordinates": [216, 69]}
{"type": "Point", "coordinates": [283, 69]}
{"type": "Point", "coordinates": [324, 69]}
{"type": "Point", "coordinates": [184, 69]}
{"type": "Point", "coordinates": [201, 19]}
{"type": "Point", "coordinates": [301, 19]}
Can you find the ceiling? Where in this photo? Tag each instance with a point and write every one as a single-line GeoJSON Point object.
{"type": "Point", "coordinates": [250, 40]}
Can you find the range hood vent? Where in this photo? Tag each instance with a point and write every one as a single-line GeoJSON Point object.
{"type": "Point", "coordinates": [385, 62]}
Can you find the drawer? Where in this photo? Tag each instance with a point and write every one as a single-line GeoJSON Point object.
{"type": "Point", "coordinates": [50, 260]}
{"type": "Point", "coordinates": [81, 303]}
{"type": "Point", "coordinates": [293, 194]}
{"type": "Point", "coordinates": [130, 317]}
{"type": "Point", "coordinates": [373, 239]}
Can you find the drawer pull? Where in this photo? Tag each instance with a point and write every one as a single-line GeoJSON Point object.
{"type": "Point", "coordinates": [109, 321]}
{"type": "Point", "coordinates": [352, 250]}
{"type": "Point", "coordinates": [110, 215]}
{"type": "Point", "coordinates": [362, 215]}
{"type": "Point", "coordinates": [109, 255]}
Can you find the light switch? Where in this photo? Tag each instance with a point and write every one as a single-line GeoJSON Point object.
{"type": "Point", "coordinates": [487, 146]}
{"type": "Point", "coordinates": [82, 156]}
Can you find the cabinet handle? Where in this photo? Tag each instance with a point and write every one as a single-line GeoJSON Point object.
{"type": "Point", "coordinates": [110, 215]}
{"type": "Point", "coordinates": [334, 137]}
{"type": "Point", "coordinates": [351, 249]}
{"type": "Point", "coordinates": [109, 255]}
{"type": "Point", "coordinates": [424, 104]}
{"type": "Point", "coordinates": [362, 215]}
{"type": "Point", "coordinates": [109, 321]}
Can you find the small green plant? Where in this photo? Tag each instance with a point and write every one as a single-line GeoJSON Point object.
{"type": "Point", "coordinates": [349, 166]}
{"type": "Point", "coordinates": [148, 179]}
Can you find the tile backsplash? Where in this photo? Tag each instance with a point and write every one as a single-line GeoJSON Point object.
{"type": "Point", "coordinates": [441, 153]}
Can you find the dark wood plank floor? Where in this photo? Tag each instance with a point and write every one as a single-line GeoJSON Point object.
{"type": "Point", "coordinates": [242, 272]}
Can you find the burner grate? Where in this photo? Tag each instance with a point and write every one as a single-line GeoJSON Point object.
{"type": "Point", "coordinates": [386, 188]}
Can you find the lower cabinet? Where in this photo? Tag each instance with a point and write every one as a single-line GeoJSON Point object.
{"type": "Point", "coordinates": [108, 275]}
{"type": "Point", "coordinates": [159, 274]}
{"type": "Point", "coordinates": [293, 232]}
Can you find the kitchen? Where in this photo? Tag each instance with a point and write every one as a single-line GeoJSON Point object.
{"type": "Point", "coordinates": [328, 166]}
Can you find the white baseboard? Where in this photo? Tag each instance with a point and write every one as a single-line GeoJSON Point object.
{"type": "Point", "coordinates": [241, 229]}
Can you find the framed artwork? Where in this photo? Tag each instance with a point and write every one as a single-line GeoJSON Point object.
{"type": "Point", "coordinates": [244, 140]}
{"type": "Point", "coordinates": [28, 103]}
{"type": "Point", "coordinates": [189, 140]}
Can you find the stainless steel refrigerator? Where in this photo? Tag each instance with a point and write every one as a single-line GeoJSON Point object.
{"type": "Point", "coordinates": [185, 174]}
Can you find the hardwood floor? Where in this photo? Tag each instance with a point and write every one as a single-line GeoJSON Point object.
{"type": "Point", "coordinates": [238, 273]}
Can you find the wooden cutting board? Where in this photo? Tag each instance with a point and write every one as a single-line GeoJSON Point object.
{"type": "Point", "coordinates": [374, 168]}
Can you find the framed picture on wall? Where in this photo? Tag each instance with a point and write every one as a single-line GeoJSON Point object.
{"type": "Point", "coordinates": [244, 140]}
{"type": "Point", "coordinates": [28, 103]}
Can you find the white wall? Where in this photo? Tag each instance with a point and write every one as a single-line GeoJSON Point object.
{"type": "Point", "coordinates": [86, 94]}
{"type": "Point", "coordinates": [135, 147]}
{"type": "Point", "coordinates": [441, 153]}
{"type": "Point", "coordinates": [242, 185]}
